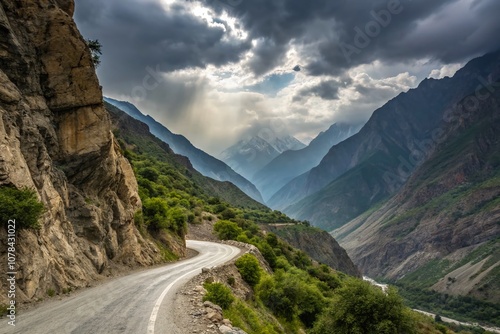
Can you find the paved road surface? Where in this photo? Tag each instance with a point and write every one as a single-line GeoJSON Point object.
{"type": "Point", "coordinates": [135, 304]}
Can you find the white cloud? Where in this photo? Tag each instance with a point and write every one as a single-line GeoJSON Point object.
{"type": "Point", "coordinates": [204, 106]}
{"type": "Point", "coordinates": [445, 71]}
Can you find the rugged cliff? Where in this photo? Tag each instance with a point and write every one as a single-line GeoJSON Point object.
{"type": "Point", "coordinates": [55, 138]}
{"type": "Point", "coordinates": [319, 245]}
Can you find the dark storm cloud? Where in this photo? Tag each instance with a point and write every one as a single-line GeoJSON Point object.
{"type": "Point", "coordinates": [332, 36]}
{"type": "Point", "coordinates": [364, 31]}
{"type": "Point", "coordinates": [141, 40]}
{"type": "Point", "coordinates": [266, 56]}
{"type": "Point", "coordinates": [327, 90]}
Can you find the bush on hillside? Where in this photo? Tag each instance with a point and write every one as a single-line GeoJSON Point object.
{"type": "Point", "coordinates": [219, 294]}
{"type": "Point", "coordinates": [249, 268]}
{"type": "Point", "coordinates": [289, 295]}
{"type": "Point", "coordinates": [155, 212]}
{"type": "Point", "coordinates": [21, 205]}
{"type": "Point", "coordinates": [358, 307]}
{"type": "Point", "coordinates": [227, 230]}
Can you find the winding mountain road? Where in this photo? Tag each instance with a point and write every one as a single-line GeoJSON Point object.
{"type": "Point", "coordinates": [136, 304]}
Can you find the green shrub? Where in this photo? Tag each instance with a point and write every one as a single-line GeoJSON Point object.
{"type": "Point", "coordinates": [289, 295]}
{"type": "Point", "coordinates": [231, 280]}
{"type": "Point", "coordinates": [155, 212]}
{"type": "Point", "coordinates": [268, 254]}
{"type": "Point", "coordinates": [178, 218]}
{"type": "Point", "coordinates": [249, 268]}
{"type": "Point", "coordinates": [21, 205]}
{"type": "Point", "coordinates": [272, 239]}
{"type": "Point", "coordinates": [149, 173]}
{"type": "Point", "coordinates": [282, 263]}
{"type": "Point", "coordinates": [219, 294]}
{"type": "Point", "coordinates": [227, 230]}
{"type": "Point", "coordinates": [358, 307]}
{"type": "Point", "coordinates": [51, 292]}
{"type": "Point", "coordinates": [228, 214]}
{"type": "Point", "coordinates": [273, 297]}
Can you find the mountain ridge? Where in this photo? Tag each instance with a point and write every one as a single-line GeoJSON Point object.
{"type": "Point", "coordinates": [324, 195]}
{"type": "Point", "coordinates": [202, 161]}
{"type": "Point", "coordinates": [291, 164]}
{"type": "Point", "coordinates": [444, 220]}
{"type": "Point", "coordinates": [249, 155]}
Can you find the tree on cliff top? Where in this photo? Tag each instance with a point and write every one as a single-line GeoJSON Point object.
{"type": "Point", "coordinates": [96, 50]}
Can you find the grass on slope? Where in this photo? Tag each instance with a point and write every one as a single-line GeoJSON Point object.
{"type": "Point", "coordinates": [415, 287]}
{"type": "Point", "coordinates": [448, 203]}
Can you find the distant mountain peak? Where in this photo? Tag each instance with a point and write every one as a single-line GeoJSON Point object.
{"type": "Point", "coordinates": [290, 164]}
{"type": "Point", "coordinates": [249, 155]}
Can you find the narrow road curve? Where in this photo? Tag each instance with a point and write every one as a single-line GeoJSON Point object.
{"type": "Point", "coordinates": [136, 304]}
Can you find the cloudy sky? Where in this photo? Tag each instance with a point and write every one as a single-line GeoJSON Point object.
{"type": "Point", "coordinates": [217, 71]}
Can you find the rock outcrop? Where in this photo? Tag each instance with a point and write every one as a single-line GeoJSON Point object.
{"type": "Point", "coordinates": [319, 245]}
{"type": "Point", "coordinates": [55, 137]}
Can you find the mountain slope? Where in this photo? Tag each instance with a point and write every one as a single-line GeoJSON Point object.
{"type": "Point", "coordinates": [441, 230]}
{"type": "Point", "coordinates": [373, 164]}
{"type": "Point", "coordinates": [291, 164]}
{"type": "Point", "coordinates": [137, 134]}
{"type": "Point", "coordinates": [319, 245]}
{"type": "Point", "coordinates": [250, 155]}
{"type": "Point", "coordinates": [202, 162]}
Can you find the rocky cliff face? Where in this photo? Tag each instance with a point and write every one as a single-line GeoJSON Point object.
{"type": "Point", "coordinates": [319, 245]}
{"type": "Point", "coordinates": [55, 138]}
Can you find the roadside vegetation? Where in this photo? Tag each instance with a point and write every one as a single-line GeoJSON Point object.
{"type": "Point", "coordinates": [301, 294]}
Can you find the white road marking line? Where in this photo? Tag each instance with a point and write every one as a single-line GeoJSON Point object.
{"type": "Point", "coordinates": [156, 308]}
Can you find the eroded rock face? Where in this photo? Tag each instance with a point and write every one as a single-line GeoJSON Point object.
{"type": "Point", "coordinates": [320, 246]}
{"type": "Point", "coordinates": [55, 137]}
